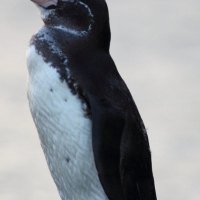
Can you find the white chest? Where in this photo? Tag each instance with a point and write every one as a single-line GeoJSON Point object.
{"type": "Point", "coordinates": [64, 132]}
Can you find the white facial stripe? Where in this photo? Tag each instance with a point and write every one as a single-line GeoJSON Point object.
{"type": "Point", "coordinates": [86, 6]}
{"type": "Point", "coordinates": [72, 31]}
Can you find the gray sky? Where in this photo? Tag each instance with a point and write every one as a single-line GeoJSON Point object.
{"type": "Point", "coordinates": [156, 47]}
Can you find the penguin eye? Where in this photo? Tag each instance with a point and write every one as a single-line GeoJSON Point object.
{"type": "Point", "coordinates": [51, 7]}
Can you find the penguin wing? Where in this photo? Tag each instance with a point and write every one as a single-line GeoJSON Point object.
{"type": "Point", "coordinates": [107, 129]}
{"type": "Point", "coordinates": [135, 162]}
{"type": "Point", "coordinates": [122, 154]}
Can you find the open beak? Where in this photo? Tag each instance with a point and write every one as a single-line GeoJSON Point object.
{"type": "Point", "coordinates": [46, 3]}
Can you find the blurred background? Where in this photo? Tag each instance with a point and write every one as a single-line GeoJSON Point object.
{"type": "Point", "coordinates": [156, 47]}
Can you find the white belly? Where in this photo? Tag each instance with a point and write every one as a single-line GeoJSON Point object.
{"type": "Point", "coordinates": [64, 132]}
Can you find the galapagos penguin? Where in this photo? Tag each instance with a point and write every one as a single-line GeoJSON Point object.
{"type": "Point", "coordinates": [90, 130]}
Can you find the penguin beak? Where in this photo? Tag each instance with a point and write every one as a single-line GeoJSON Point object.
{"type": "Point", "coordinates": [46, 3]}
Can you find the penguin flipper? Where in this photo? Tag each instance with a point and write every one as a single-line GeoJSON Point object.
{"type": "Point", "coordinates": [122, 154]}
{"type": "Point", "coordinates": [107, 129]}
{"type": "Point", "coordinates": [135, 162]}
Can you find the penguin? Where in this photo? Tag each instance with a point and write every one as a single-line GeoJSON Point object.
{"type": "Point", "coordinates": [93, 137]}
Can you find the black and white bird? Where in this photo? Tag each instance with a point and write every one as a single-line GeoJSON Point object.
{"type": "Point", "coordinates": [91, 132]}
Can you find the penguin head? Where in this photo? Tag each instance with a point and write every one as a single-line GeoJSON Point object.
{"type": "Point", "coordinates": [85, 16]}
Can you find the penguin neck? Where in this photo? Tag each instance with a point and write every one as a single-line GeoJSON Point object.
{"type": "Point", "coordinates": [101, 35]}
{"type": "Point", "coordinates": [100, 30]}
{"type": "Point", "coordinates": [93, 28]}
